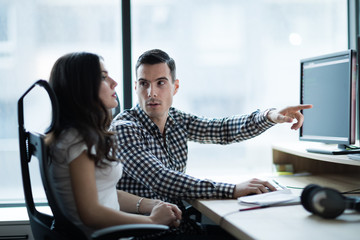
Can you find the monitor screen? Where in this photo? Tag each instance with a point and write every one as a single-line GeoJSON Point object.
{"type": "Point", "coordinates": [329, 83]}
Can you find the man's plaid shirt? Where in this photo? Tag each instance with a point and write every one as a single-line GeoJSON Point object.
{"type": "Point", "coordinates": [154, 165]}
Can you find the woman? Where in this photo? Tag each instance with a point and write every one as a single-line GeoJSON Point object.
{"type": "Point", "coordinates": [84, 165]}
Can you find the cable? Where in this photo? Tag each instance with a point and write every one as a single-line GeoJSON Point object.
{"type": "Point", "coordinates": [354, 191]}
{"type": "Point", "coordinates": [351, 147]}
{"type": "Point", "coordinates": [294, 187]}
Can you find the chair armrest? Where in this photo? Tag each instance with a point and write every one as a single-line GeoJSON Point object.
{"type": "Point", "coordinates": [127, 230]}
{"type": "Point", "coordinates": [191, 211]}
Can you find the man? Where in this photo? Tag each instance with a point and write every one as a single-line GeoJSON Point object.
{"type": "Point", "coordinates": [152, 139]}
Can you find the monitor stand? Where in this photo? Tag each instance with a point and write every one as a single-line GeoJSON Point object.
{"type": "Point", "coordinates": [341, 149]}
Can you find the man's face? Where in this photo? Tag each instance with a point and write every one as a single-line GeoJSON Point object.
{"type": "Point", "coordinates": [155, 90]}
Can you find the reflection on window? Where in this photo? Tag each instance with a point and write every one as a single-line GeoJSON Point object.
{"type": "Point", "coordinates": [234, 57]}
{"type": "Point", "coordinates": [33, 34]}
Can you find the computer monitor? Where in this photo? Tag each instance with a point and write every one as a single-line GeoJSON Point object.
{"type": "Point", "coordinates": [329, 83]}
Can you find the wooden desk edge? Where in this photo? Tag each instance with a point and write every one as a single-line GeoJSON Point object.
{"type": "Point", "coordinates": [200, 205]}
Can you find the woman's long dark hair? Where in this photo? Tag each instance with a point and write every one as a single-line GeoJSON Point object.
{"type": "Point", "coordinates": [76, 79]}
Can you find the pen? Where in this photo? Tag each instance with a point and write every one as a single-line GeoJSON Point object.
{"type": "Point", "coordinates": [253, 208]}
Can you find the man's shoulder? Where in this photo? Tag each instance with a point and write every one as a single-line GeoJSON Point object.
{"type": "Point", "coordinates": [127, 115]}
{"type": "Point", "coordinates": [176, 113]}
{"type": "Point", "coordinates": [180, 116]}
{"type": "Point", "coordinates": [127, 118]}
{"type": "Point", "coordinates": [124, 123]}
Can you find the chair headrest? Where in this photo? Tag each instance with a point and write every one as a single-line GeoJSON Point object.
{"type": "Point", "coordinates": [54, 104]}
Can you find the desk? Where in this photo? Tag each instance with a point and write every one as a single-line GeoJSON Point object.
{"type": "Point", "coordinates": [284, 222]}
{"type": "Point", "coordinates": [292, 222]}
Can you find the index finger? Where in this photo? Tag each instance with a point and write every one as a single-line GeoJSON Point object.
{"type": "Point", "coordinates": [301, 107]}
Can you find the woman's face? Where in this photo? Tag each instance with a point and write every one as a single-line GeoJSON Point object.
{"type": "Point", "coordinates": [107, 92]}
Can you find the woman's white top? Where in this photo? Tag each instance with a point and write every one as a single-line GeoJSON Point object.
{"type": "Point", "coordinates": [68, 147]}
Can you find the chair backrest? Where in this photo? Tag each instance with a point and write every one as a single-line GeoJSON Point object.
{"type": "Point", "coordinates": [32, 144]}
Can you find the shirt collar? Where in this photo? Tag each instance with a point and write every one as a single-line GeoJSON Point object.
{"type": "Point", "coordinates": [148, 123]}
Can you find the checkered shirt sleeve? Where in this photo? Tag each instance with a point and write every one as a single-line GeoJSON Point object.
{"type": "Point", "coordinates": [223, 130]}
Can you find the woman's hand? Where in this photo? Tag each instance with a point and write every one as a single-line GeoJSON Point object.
{"type": "Point", "coordinates": [166, 213]}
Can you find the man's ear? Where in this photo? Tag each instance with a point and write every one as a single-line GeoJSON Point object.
{"type": "Point", "coordinates": [176, 86]}
{"type": "Point", "coordinates": [135, 85]}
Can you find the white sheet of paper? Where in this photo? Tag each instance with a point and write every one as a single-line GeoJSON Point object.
{"type": "Point", "coordinates": [280, 196]}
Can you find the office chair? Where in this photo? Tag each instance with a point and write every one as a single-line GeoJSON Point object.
{"type": "Point", "coordinates": [58, 226]}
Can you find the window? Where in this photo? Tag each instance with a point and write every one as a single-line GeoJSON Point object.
{"type": "Point", "coordinates": [33, 34]}
{"type": "Point", "coordinates": [234, 57]}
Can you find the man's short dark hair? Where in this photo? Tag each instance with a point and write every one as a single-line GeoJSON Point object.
{"type": "Point", "coordinates": [156, 56]}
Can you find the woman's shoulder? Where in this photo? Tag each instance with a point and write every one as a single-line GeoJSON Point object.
{"type": "Point", "coordinates": [69, 137]}
{"type": "Point", "coordinates": [68, 145]}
